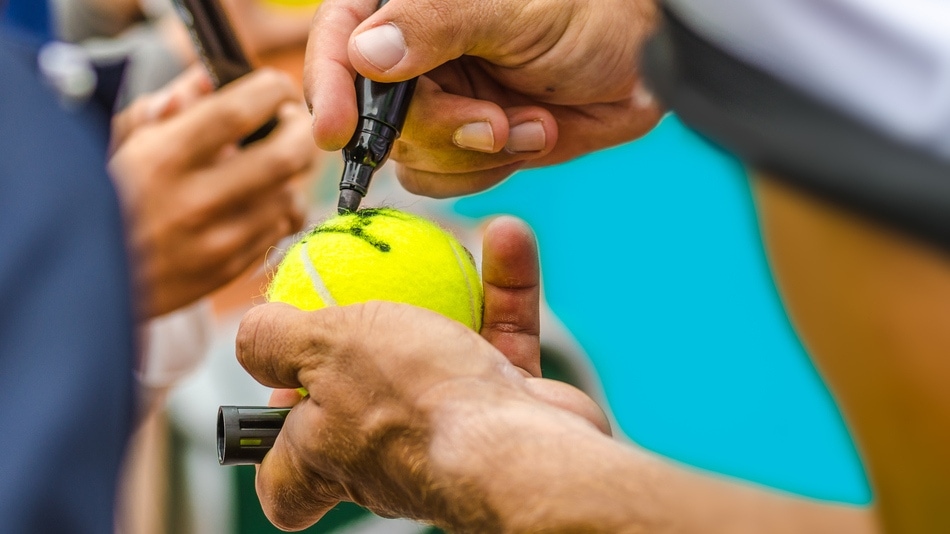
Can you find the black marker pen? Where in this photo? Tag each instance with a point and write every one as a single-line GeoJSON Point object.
{"type": "Point", "coordinates": [218, 49]}
{"type": "Point", "coordinates": [382, 111]}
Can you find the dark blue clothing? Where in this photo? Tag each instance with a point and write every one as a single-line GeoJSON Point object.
{"type": "Point", "coordinates": [66, 325]}
{"type": "Point", "coordinates": [30, 16]}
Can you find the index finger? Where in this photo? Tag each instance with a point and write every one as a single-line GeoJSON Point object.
{"type": "Point", "coordinates": [512, 279]}
{"type": "Point", "coordinates": [328, 77]}
{"type": "Point", "coordinates": [230, 114]}
{"type": "Point", "coordinates": [264, 166]}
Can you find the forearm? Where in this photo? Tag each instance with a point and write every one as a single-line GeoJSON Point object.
{"type": "Point", "coordinates": [561, 475]}
{"type": "Point", "coordinates": [870, 308]}
{"type": "Point", "coordinates": [689, 501]}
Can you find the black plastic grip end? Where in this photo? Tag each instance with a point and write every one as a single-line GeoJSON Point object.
{"type": "Point", "coordinates": [247, 433]}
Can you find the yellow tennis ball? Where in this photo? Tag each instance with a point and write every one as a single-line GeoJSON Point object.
{"type": "Point", "coordinates": [380, 254]}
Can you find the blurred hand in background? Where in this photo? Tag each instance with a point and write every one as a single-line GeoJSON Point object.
{"type": "Point", "coordinates": [199, 209]}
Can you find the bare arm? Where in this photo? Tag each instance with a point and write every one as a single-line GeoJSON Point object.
{"type": "Point", "coordinates": [563, 479]}
{"type": "Point", "coordinates": [871, 305]}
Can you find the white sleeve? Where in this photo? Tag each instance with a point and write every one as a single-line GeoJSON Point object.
{"type": "Point", "coordinates": [882, 62]}
{"type": "Point", "coordinates": [174, 345]}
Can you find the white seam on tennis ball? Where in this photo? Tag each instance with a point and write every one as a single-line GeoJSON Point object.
{"type": "Point", "coordinates": [468, 282]}
{"type": "Point", "coordinates": [318, 283]}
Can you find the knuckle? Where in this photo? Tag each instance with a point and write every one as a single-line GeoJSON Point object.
{"type": "Point", "coordinates": [287, 159]}
{"type": "Point", "coordinates": [232, 115]}
{"type": "Point", "coordinates": [273, 78]}
{"type": "Point", "coordinates": [268, 75]}
{"type": "Point", "coordinates": [352, 328]}
{"type": "Point", "coordinates": [329, 14]}
{"type": "Point", "coordinates": [194, 213]}
{"type": "Point", "coordinates": [439, 15]}
{"type": "Point", "coordinates": [373, 309]}
{"type": "Point", "coordinates": [401, 152]}
{"type": "Point", "coordinates": [222, 251]}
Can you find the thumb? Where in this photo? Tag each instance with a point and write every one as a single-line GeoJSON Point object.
{"type": "Point", "coordinates": [408, 38]}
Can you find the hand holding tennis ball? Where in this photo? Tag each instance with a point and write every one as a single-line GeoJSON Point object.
{"type": "Point", "coordinates": [389, 255]}
{"type": "Point", "coordinates": [396, 391]}
{"type": "Point", "coordinates": [381, 254]}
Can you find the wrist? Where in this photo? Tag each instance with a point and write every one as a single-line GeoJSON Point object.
{"type": "Point", "coordinates": [594, 484]}
{"type": "Point", "coordinates": [495, 453]}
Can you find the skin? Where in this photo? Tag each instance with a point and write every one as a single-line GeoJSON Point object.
{"type": "Point", "coordinates": [261, 28]}
{"type": "Point", "coordinates": [871, 306]}
{"type": "Point", "coordinates": [445, 428]}
{"type": "Point", "coordinates": [199, 209]}
{"type": "Point", "coordinates": [413, 415]}
{"type": "Point", "coordinates": [524, 62]}
{"type": "Point", "coordinates": [510, 334]}
{"type": "Point", "coordinates": [265, 30]}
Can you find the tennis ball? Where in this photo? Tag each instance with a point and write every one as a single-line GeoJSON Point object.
{"type": "Point", "coordinates": [380, 254]}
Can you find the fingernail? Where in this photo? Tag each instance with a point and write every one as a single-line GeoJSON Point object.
{"type": "Point", "coordinates": [382, 46]}
{"type": "Point", "coordinates": [475, 136]}
{"type": "Point", "coordinates": [526, 137]}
